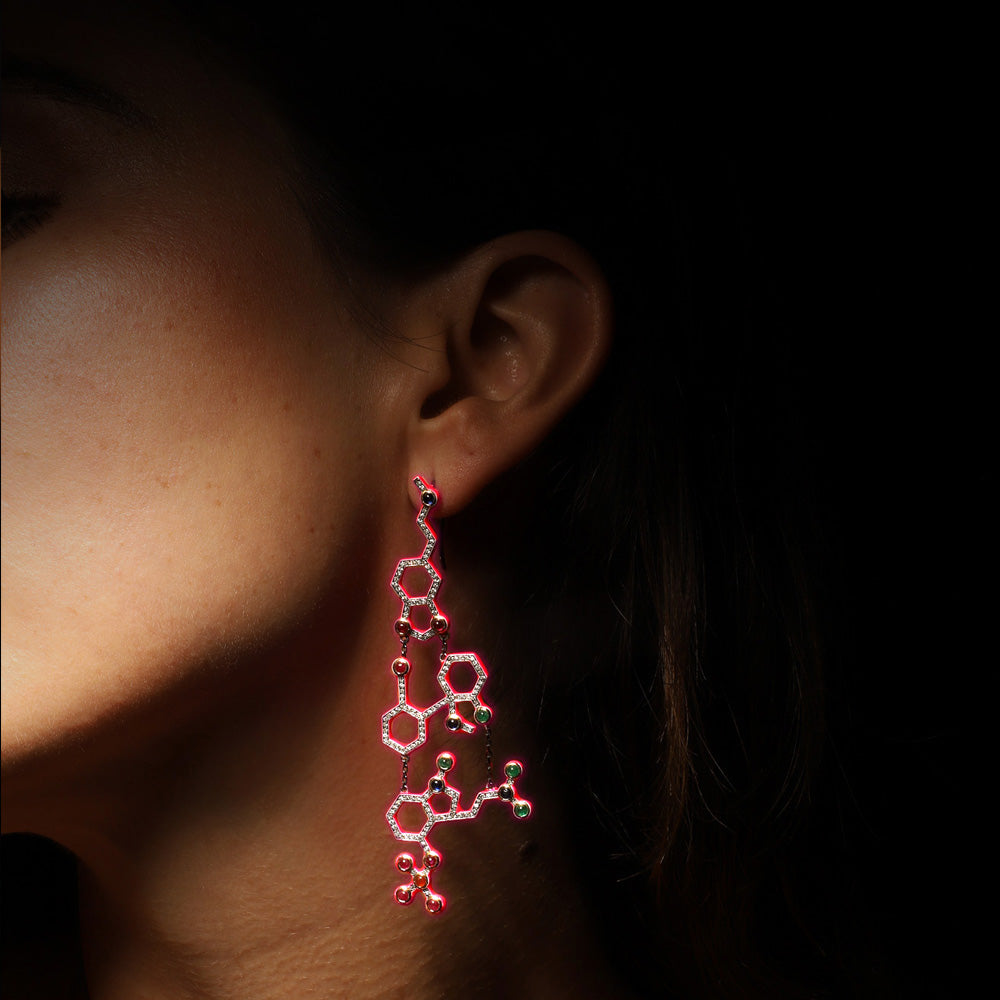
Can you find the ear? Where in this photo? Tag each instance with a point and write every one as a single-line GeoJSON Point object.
{"type": "Point", "coordinates": [525, 323]}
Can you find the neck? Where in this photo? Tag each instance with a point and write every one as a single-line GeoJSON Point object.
{"type": "Point", "coordinates": [256, 861]}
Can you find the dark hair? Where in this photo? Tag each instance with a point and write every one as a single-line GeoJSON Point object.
{"type": "Point", "coordinates": [666, 631]}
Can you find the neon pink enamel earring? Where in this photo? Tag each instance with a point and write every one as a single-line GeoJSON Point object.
{"type": "Point", "coordinates": [455, 721]}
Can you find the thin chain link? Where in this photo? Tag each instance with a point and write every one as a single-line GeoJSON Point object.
{"type": "Point", "coordinates": [404, 780]}
{"type": "Point", "coordinates": [489, 756]}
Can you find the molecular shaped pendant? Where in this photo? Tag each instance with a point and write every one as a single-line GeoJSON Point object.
{"type": "Point", "coordinates": [455, 721]}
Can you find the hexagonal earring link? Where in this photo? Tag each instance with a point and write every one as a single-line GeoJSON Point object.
{"type": "Point", "coordinates": [438, 785]}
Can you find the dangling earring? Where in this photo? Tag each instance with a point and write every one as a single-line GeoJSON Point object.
{"type": "Point", "coordinates": [438, 626]}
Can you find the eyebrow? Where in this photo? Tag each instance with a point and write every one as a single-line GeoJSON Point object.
{"type": "Point", "coordinates": [39, 79]}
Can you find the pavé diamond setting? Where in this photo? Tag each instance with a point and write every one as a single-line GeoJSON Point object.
{"type": "Point", "coordinates": [481, 714]}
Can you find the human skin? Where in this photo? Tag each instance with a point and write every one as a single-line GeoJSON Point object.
{"type": "Point", "coordinates": [207, 464]}
{"type": "Point", "coordinates": [179, 376]}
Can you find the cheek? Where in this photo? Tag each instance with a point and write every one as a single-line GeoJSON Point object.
{"type": "Point", "coordinates": [174, 430]}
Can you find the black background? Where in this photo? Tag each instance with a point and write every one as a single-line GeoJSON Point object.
{"type": "Point", "coordinates": [860, 172]}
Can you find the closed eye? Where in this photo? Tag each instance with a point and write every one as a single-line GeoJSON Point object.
{"type": "Point", "coordinates": [22, 214]}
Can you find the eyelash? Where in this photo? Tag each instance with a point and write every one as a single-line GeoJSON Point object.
{"type": "Point", "coordinates": [23, 214]}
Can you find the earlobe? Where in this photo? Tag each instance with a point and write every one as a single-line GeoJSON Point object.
{"type": "Point", "coordinates": [530, 328]}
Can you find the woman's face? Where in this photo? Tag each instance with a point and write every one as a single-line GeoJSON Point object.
{"type": "Point", "coordinates": [184, 388]}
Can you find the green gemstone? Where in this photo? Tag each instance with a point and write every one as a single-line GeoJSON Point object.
{"type": "Point", "coordinates": [445, 762]}
{"type": "Point", "coordinates": [522, 810]}
{"type": "Point", "coordinates": [483, 714]}
{"type": "Point", "coordinates": [512, 770]}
